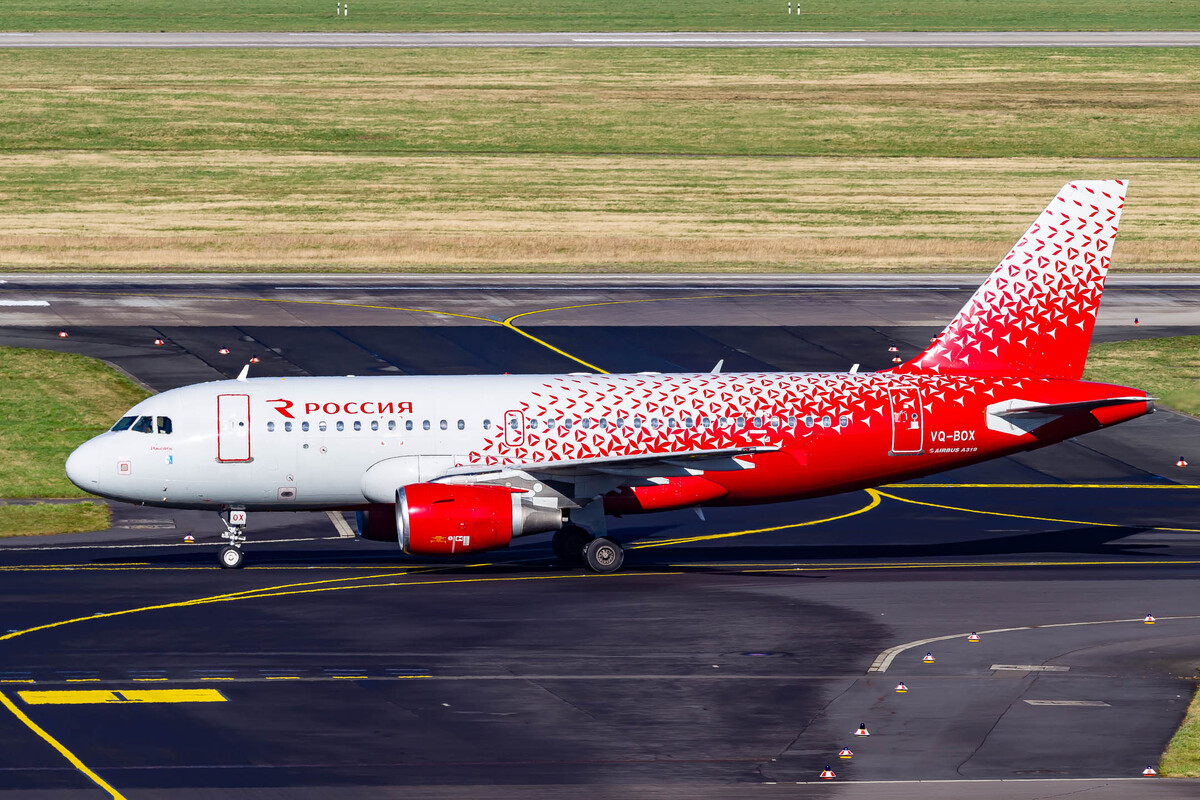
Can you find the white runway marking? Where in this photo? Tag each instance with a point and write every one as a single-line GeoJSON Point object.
{"type": "Point", "coordinates": [24, 303]}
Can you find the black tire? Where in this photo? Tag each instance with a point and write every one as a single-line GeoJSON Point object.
{"type": "Point", "coordinates": [603, 556]}
{"type": "Point", "coordinates": [568, 544]}
{"type": "Point", "coordinates": [230, 557]}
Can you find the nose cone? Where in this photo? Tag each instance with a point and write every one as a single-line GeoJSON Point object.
{"type": "Point", "coordinates": [83, 467]}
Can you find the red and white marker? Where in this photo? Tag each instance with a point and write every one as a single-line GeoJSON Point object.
{"type": "Point", "coordinates": [1148, 772]}
{"type": "Point", "coordinates": [929, 659]}
{"type": "Point", "coordinates": [63, 334]}
{"type": "Point", "coordinates": [158, 342]}
{"type": "Point", "coordinates": [827, 774]}
{"type": "Point", "coordinates": [1149, 620]}
{"type": "Point", "coordinates": [862, 730]}
{"type": "Point", "coordinates": [189, 538]}
{"type": "Point", "coordinates": [896, 360]}
{"type": "Point", "coordinates": [901, 688]}
{"type": "Point", "coordinates": [893, 349]}
{"type": "Point", "coordinates": [224, 351]}
{"type": "Point", "coordinates": [253, 359]}
{"type": "Point", "coordinates": [845, 753]}
{"type": "Point", "coordinates": [974, 637]}
{"type": "Point", "coordinates": [1179, 463]}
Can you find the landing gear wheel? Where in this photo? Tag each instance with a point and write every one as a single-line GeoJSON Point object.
{"type": "Point", "coordinates": [603, 556]}
{"type": "Point", "coordinates": [568, 544]}
{"type": "Point", "coordinates": [230, 557]}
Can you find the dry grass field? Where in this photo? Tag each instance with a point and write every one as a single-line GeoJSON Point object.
{"type": "Point", "coordinates": [583, 160]}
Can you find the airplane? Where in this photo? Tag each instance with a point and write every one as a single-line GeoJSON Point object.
{"type": "Point", "coordinates": [455, 465]}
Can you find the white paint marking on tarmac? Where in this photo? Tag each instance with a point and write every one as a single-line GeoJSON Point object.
{"type": "Point", "coordinates": [339, 522]}
{"type": "Point", "coordinates": [24, 303]}
{"type": "Point", "coordinates": [1097, 781]}
{"type": "Point", "coordinates": [1027, 668]}
{"type": "Point", "coordinates": [884, 659]}
{"type": "Point", "coordinates": [709, 40]}
{"type": "Point", "coordinates": [1072, 703]}
{"type": "Point", "coordinates": [166, 544]}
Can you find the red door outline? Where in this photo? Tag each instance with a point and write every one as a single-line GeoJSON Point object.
{"type": "Point", "coordinates": [233, 427]}
{"type": "Point", "coordinates": [514, 435]}
{"type": "Point", "coordinates": [908, 420]}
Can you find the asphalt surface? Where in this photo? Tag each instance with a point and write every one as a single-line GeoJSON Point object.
{"type": "Point", "coordinates": [725, 661]}
{"type": "Point", "coordinates": [708, 39]}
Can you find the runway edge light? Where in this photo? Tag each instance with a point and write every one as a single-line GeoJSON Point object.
{"type": "Point", "coordinates": [929, 659]}
{"type": "Point", "coordinates": [862, 730]}
{"type": "Point", "coordinates": [1148, 772]}
{"type": "Point", "coordinates": [1149, 620]}
{"type": "Point", "coordinates": [974, 637]}
{"type": "Point", "coordinates": [827, 774]}
{"type": "Point", "coordinates": [901, 688]}
{"type": "Point", "coordinates": [845, 753]}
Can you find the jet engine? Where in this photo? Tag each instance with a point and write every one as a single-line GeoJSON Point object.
{"type": "Point", "coordinates": [435, 519]}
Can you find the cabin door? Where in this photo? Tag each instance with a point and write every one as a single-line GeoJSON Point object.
{"type": "Point", "coordinates": [233, 427]}
{"type": "Point", "coordinates": [908, 420]}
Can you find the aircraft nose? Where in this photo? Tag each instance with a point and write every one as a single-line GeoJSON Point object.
{"type": "Point", "coordinates": [83, 467]}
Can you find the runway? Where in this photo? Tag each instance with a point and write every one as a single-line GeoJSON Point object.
{"type": "Point", "coordinates": [734, 656]}
{"type": "Point", "coordinates": [704, 39]}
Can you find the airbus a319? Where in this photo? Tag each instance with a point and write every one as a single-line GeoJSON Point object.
{"type": "Point", "coordinates": [452, 465]}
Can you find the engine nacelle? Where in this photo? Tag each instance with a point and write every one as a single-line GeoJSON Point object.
{"type": "Point", "coordinates": [435, 519]}
{"type": "Point", "coordinates": [377, 523]}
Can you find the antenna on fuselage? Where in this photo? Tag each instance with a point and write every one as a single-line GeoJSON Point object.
{"type": "Point", "coordinates": [242, 375]}
{"type": "Point", "coordinates": [717, 369]}
{"type": "Point", "coordinates": [854, 370]}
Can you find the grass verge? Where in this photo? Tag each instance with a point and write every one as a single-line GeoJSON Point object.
{"type": "Point", "coordinates": [614, 160]}
{"type": "Point", "coordinates": [1168, 368]}
{"type": "Point", "coordinates": [45, 518]}
{"type": "Point", "coordinates": [1182, 756]}
{"type": "Point", "coordinates": [581, 15]}
{"type": "Point", "coordinates": [51, 403]}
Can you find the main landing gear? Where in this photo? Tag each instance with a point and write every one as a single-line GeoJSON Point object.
{"type": "Point", "coordinates": [574, 546]}
{"type": "Point", "coordinates": [230, 555]}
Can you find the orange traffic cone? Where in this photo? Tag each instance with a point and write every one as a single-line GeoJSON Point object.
{"type": "Point", "coordinates": [862, 730]}
{"type": "Point", "coordinates": [1149, 772]}
{"type": "Point", "coordinates": [901, 688]}
{"type": "Point", "coordinates": [929, 659]}
{"type": "Point", "coordinates": [827, 774]}
{"type": "Point", "coordinates": [974, 637]}
{"type": "Point", "coordinates": [845, 753]}
{"type": "Point", "coordinates": [1149, 620]}
{"type": "Point", "coordinates": [1181, 462]}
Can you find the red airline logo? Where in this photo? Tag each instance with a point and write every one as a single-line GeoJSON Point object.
{"type": "Point", "coordinates": [349, 407]}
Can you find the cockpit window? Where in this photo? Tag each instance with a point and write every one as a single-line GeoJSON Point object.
{"type": "Point", "coordinates": [123, 423]}
{"type": "Point", "coordinates": [143, 425]}
{"type": "Point", "coordinates": [163, 424]}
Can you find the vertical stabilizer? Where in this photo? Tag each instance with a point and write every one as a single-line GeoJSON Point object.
{"type": "Point", "coordinates": [1036, 311]}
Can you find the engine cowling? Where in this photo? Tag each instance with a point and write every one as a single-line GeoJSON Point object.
{"type": "Point", "coordinates": [448, 519]}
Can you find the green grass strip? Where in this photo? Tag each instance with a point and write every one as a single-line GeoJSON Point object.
{"type": "Point", "coordinates": [1168, 368]}
{"type": "Point", "coordinates": [50, 404]}
{"type": "Point", "coordinates": [1182, 757]}
{"type": "Point", "coordinates": [38, 519]}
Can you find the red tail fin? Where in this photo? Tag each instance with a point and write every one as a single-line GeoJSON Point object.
{"type": "Point", "coordinates": [1035, 313]}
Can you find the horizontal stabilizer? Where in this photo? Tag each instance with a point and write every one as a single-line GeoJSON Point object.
{"type": "Point", "coordinates": [1018, 417]}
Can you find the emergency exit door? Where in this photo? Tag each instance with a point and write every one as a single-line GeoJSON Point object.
{"type": "Point", "coordinates": [908, 420]}
{"type": "Point", "coordinates": [233, 427]}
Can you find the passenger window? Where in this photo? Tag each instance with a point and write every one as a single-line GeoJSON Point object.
{"type": "Point", "coordinates": [357, 425]}
{"type": "Point", "coordinates": [791, 422]}
{"type": "Point", "coordinates": [487, 424]}
{"type": "Point", "coordinates": [723, 422]}
{"type": "Point", "coordinates": [143, 425]}
{"type": "Point", "coordinates": [462, 425]}
{"type": "Point", "coordinates": [587, 422]}
{"type": "Point", "coordinates": [374, 424]}
{"type": "Point", "coordinates": [671, 422]}
{"type": "Point", "coordinates": [567, 423]}
{"type": "Point", "coordinates": [391, 424]}
{"type": "Point", "coordinates": [741, 422]}
{"type": "Point", "coordinates": [304, 426]}
{"type": "Point", "coordinates": [425, 425]}
{"type": "Point", "coordinates": [408, 426]}
{"type": "Point", "coordinates": [321, 426]}
{"type": "Point", "coordinates": [654, 423]}
{"type": "Point", "coordinates": [533, 424]}
{"type": "Point", "coordinates": [270, 427]}
{"type": "Point", "coordinates": [808, 420]}
{"type": "Point", "coordinates": [163, 424]}
{"type": "Point", "coordinates": [826, 421]}
{"type": "Point", "coordinates": [123, 423]}
{"type": "Point", "coordinates": [341, 426]}
{"type": "Point", "coordinates": [774, 422]}
{"type": "Point", "coordinates": [706, 422]}
{"type": "Point", "coordinates": [444, 425]}
{"type": "Point", "coordinates": [637, 422]}
{"type": "Point", "coordinates": [687, 422]}
{"type": "Point", "coordinates": [287, 426]}
{"type": "Point", "coordinates": [843, 421]}
{"type": "Point", "coordinates": [620, 422]}
{"type": "Point", "coordinates": [603, 423]}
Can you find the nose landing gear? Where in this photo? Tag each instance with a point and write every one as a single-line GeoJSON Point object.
{"type": "Point", "coordinates": [230, 556]}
